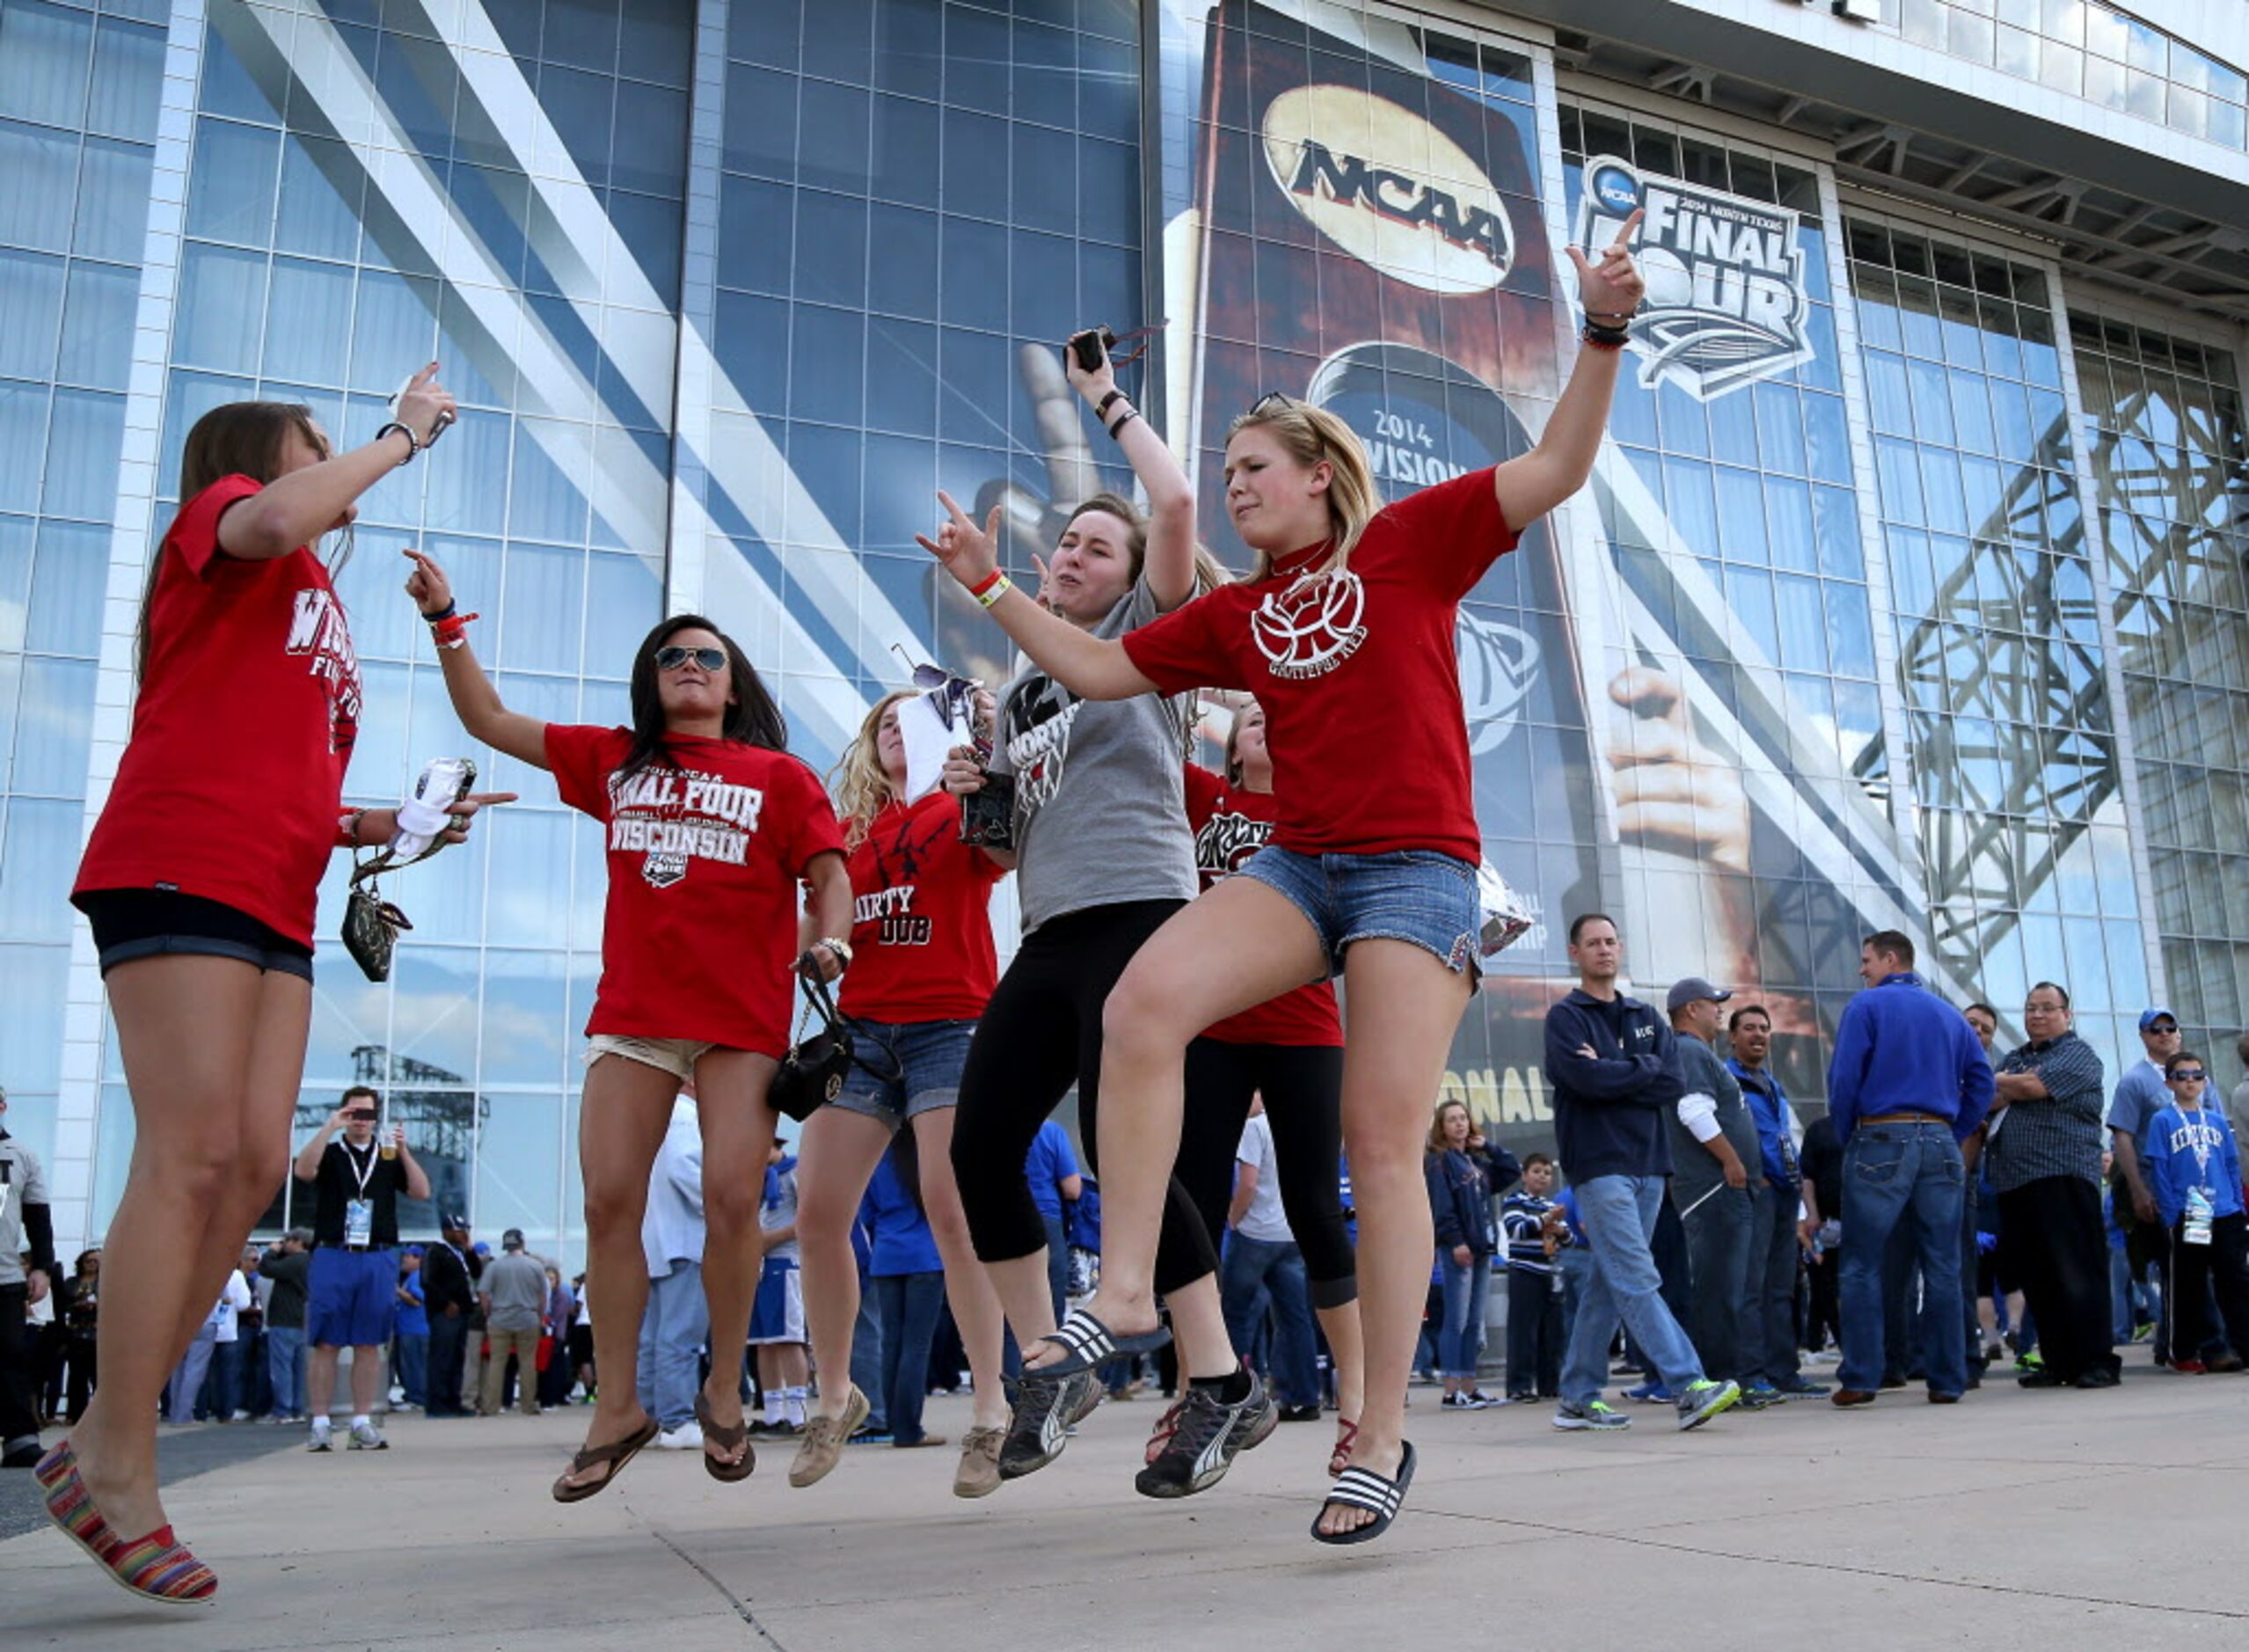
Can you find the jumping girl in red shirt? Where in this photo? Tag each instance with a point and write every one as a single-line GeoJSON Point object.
{"type": "Point", "coordinates": [923, 964]}
{"type": "Point", "coordinates": [1289, 1050]}
{"type": "Point", "coordinates": [201, 882]}
{"type": "Point", "coordinates": [709, 825]}
{"type": "Point", "coordinates": [1345, 634]}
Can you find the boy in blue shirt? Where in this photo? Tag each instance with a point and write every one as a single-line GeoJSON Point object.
{"type": "Point", "coordinates": [2194, 1168]}
{"type": "Point", "coordinates": [1534, 1284]}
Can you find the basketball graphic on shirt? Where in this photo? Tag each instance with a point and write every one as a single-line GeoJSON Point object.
{"type": "Point", "coordinates": [1311, 627]}
{"type": "Point", "coordinates": [663, 868]}
{"type": "Point", "coordinates": [1038, 742]}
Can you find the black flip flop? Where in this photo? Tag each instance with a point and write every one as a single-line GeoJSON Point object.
{"type": "Point", "coordinates": [1086, 1343]}
{"type": "Point", "coordinates": [617, 1454]}
{"type": "Point", "coordinates": [1363, 1488]}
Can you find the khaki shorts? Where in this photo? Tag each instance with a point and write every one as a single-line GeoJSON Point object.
{"type": "Point", "coordinates": [675, 1055]}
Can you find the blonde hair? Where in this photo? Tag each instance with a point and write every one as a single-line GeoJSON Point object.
{"type": "Point", "coordinates": [861, 786]}
{"type": "Point", "coordinates": [1310, 434]}
{"type": "Point", "coordinates": [1437, 1142]}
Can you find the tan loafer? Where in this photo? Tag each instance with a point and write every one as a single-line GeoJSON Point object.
{"type": "Point", "coordinates": [978, 1475]}
{"type": "Point", "coordinates": [823, 1444]}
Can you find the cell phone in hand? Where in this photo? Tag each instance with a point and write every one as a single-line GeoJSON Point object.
{"type": "Point", "coordinates": [443, 419]}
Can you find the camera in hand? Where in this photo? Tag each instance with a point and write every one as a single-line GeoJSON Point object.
{"type": "Point", "coordinates": [1090, 347]}
{"type": "Point", "coordinates": [988, 816]}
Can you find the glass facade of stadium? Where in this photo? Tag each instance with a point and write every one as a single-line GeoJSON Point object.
{"type": "Point", "coordinates": [1911, 591]}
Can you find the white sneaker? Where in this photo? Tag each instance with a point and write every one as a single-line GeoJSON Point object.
{"type": "Point", "coordinates": [364, 1439]}
{"type": "Point", "coordinates": [686, 1437]}
{"type": "Point", "coordinates": [319, 1441]}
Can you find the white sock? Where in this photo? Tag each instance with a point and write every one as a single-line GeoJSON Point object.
{"type": "Point", "coordinates": [320, 1425]}
{"type": "Point", "coordinates": [793, 1399]}
{"type": "Point", "coordinates": [362, 1421]}
{"type": "Point", "coordinates": [774, 1407]}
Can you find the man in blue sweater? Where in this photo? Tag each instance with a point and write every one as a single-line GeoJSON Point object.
{"type": "Point", "coordinates": [1615, 1073]}
{"type": "Point", "coordinates": [1909, 1082]}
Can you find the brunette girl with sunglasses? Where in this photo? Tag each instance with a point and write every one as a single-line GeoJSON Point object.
{"type": "Point", "coordinates": [710, 826]}
{"type": "Point", "coordinates": [1103, 858]}
{"type": "Point", "coordinates": [201, 882]}
{"type": "Point", "coordinates": [924, 965]}
{"type": "Point", "coordinates": [1345, 635]}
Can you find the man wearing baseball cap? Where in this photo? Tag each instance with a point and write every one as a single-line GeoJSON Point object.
{"type": "Point", "coordinates": [449, 1297]}
{"type": "Point", "coordinates": [1909, 1082]}
{"type": "Point", "coordinates": [1714, 1144]}
{"type": "Point", "coordinates": [2140, 1095]}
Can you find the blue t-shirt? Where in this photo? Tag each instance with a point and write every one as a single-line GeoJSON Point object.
{"type": "Point", "coordinates": [414, 1318]}
{"type": "Point", "coordinates": [902, 1242]}
{"type": "Point", "coordinates": [1044, 1167]}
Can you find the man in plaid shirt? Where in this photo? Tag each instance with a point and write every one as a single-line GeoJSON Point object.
{"type": "Point", "coordinates": [2044, 1158]}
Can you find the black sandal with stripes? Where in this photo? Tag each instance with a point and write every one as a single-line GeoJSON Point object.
{"type": "Point", "coordinates": [1363, 1488]}
{"type": "Point", "coordinates": [1086, 1343]}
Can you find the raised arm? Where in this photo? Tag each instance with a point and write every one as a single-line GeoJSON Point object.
{"type": "Point", "coordinates": [1169, 567]}
{"type": "Point", "coordinates": [297, 509]}
{"type": "Point", "coordinates": [475, 702]}
{"type": "Point", "coordinates": [1092, 668]}
{"type": "Point", "coordinates": [1530, 486]}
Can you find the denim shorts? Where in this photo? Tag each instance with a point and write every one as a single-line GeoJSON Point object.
{"type": "Point", "coordinates": [131, 924]}
{"type": "Point", "coordinates": [916, 1068]}
{"type": "Point", "coordinates": [1420, 895]}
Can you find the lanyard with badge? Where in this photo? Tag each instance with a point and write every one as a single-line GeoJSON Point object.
{"type": "Point", "coordinates": [359, 1213]}
{"type": "Point", "coordinates": [2194, 1227]}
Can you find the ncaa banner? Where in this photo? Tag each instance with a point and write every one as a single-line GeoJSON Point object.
{"type": "Point", "coordinates": [1726, 302]}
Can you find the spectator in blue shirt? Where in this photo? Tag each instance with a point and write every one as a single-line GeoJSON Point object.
{"type": "Point", "coordinates": [908, 1278]}
{"type": "Point", "coordinates": [2141, 1093]}
{"type": "Point", "coordinates": [1051, 1168]}
{"type": "Point", "coordinates": [1777, 1248]}
{"type": "Point", "coordinates": [2193, 1173]}
{"type": "Point", "coordinates": [410, 1355]}
{"type": "Point", "coordinates": [1909, 1082]}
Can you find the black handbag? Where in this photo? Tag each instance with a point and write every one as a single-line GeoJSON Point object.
{"type": "Point", "coordinates": [812, 1073]}
{"type": "Point", "coordinates": [371, 923]}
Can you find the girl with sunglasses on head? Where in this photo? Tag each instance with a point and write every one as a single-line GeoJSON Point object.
{"type": "Point", "coordinates": [711, 825]}
{"type": "Point", "coordinates": [1290, 1051]}
{"type": "Point", "coordinates": [201, 882]}
{"type": "Point", "coordinates": [1345, 634]}
{"type": "Point", "coordinates": [923, 964]}
{"type": "Point", "coordinates": [1103, 858]}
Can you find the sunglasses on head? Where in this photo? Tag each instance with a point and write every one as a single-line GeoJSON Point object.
{"type": "Point", "coordinates": [1269, 398]}
{"type": "Point", "coordinates": [2189, 1075]}
{"type": "Point", "coordinates": [672, 656]}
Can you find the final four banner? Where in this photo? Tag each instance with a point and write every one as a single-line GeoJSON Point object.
{"type": "Point", "coordinates": [1369, 227]}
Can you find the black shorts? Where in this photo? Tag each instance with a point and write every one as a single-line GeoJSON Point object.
{"type": "Point", "coordinates": [130, 924]}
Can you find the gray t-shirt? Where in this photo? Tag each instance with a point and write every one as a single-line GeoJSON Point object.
{"type": "Point", "coordinates": [1100, 802]}
{"type": "Point", "coordinates": [23, 1183]}
{"type": "Point", "coordinates": [518, 1289]}
{"type": "Point", "coordinates": [1694, 1172]}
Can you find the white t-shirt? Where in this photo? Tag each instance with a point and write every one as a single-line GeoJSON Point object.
{"type": "Point", "coordinates": [231, 1304]}
{"type": "Point", "coordinates": [1263, 1220]}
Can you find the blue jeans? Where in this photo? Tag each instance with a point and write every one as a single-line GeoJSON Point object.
{"type": "Point", "coordinates": [672, 1330]}
{"type": "Point", "coordinates": [866, 1358]}
{"type": "Point", "coordinates": [1254, 1273]}
{"type": "Point", "coordinates": [414, 1366]}
{"type": "Point", "coordinates": [1906, 1175]}
{"type": "Point", "coordinates": [1462, 1341]}
{"type": "Point", "coordinates": [909, 1305]}
{"type": "Point", "coordinates": [1576, 1263]}
{"type": "Point", "coordinates": [1618, 1215]}
{"type": "Point", "coordinates": [187, 1384]}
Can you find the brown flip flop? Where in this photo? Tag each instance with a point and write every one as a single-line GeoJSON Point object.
{"type": "Point", "coordinates": [617, 1454]}
{"type": "Point", "coordinates": [726, 1439]}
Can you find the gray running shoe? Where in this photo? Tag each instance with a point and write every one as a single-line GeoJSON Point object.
{"type": "Point", "coordinates": [364, 1439]}
{"type": "Point", "coordinates": [1704, 1400]}
{"type": "Point", "coordinates": [319, 1442]}
{"type": "Point", "coordinates": [1205, 1433]}
{"type": "Point", "coordinates": [1046, 1409]}
{"type": "Point", "coordinates": [1598, 1417]}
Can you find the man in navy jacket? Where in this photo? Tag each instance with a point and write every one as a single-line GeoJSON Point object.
{"type": "Point", "coordinates": [1909, 1082]}
{"type": "Point", "coordinates": [1614, 1072]}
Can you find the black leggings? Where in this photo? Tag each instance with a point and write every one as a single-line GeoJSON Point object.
{"type": "Point", "coordinates": [1303, 1087]}
{"type": "Point", "coordinates": [1041, 1033]}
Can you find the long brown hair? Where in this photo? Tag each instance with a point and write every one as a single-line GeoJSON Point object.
{"type": "Point", "coordinates": [752, 718]}
{"type": "Point", "coordinates": [237, 438]}
{"type": "Point", "coordinates": [1437, 1142]}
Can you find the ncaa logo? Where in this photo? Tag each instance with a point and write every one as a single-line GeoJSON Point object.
{"type": "Point", "coordinates": [1389, 188]}
{"type": "Point", "coordinates": [1615, 189]}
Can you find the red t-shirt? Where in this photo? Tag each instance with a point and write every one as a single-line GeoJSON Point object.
{"type": "Point", "coordinates": [231, 784]}
{"type": "Point", "coordinates": [1230, 824]}
{"type": "Point", "coordinates": [703, 863]}
{"type": "Point", "coordinates": [922, 925]}
{"type": "Point", "coordinates": [1359, 684]}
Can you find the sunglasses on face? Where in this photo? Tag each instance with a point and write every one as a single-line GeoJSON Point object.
{"type": "Point", "coordinates": [2161, 1030]}
{"type": "Point", "coordinates": [671, 657]}
{"type": "Point", "coordinates": [2189, 1075]}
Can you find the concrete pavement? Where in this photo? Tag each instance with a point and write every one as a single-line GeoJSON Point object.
{"type": "Point", "coordinates": [2017, 1519]}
